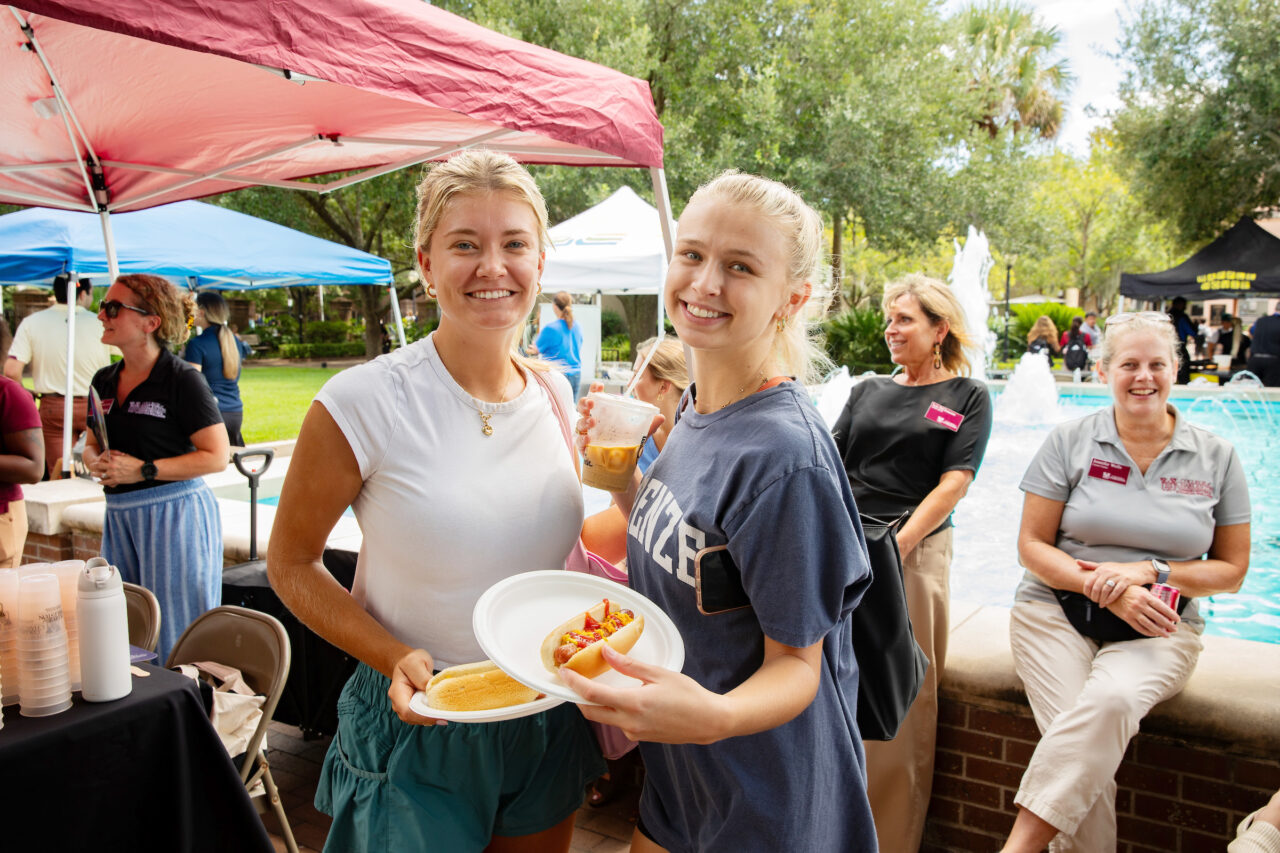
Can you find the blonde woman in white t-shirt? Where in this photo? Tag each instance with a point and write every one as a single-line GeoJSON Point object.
{"type": "Point", "coordinates": [450, 455]}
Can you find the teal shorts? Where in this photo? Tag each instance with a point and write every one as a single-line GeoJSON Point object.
{"type": "Point", "coordinates": [392, 786]}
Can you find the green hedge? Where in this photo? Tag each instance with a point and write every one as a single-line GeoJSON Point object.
{"type": "Point", "coordinates": [331, 350]}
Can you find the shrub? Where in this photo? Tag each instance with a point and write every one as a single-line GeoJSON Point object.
{"type": "Point", "coordinates": [327, 331]}
{"type": "Point", "coordinates": [856, 340]}
{"type": "Point", "coordinates": [1025, 317]}
{"type": "Point", "coordinates": [343, 349]}
{"type": "Point", "coordinates": [615, 347]}
{"type": "Point", "coordinates": [611, 323]}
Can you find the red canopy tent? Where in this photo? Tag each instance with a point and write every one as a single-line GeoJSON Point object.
{"type": "Point", "coordinates": [109, 107]}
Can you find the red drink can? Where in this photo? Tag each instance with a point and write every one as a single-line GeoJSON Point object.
{"type": "Point", "coordinates": [1168, 594]}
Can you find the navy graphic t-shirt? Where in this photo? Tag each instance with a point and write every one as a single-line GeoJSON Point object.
{"type": "Point", "coordinates": [159, 416]}
{"type": "Point", "coordinates": [762, 477]}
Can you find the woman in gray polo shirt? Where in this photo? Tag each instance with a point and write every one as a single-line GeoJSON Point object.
{"type": "Point", "coordinates": [1115, 501]}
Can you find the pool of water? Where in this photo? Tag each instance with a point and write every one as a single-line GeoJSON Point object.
{"type": "Point", "coordinates": [985, 568]}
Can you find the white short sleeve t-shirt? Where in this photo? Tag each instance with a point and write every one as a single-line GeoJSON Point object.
{"type": "Point", "coordinates": [446, 511]}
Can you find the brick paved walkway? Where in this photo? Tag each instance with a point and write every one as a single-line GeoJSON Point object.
{"type": "Point", "coordinates": [295, 765]}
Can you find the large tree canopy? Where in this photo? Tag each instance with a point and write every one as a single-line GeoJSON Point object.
{"type": "Point", "coordinates": [1199, 129]}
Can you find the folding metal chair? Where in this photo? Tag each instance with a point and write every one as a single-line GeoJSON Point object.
{"type": "Point", "coordinates": [257, 645]}
{"type": "Point", "coordinates": [144, 616]}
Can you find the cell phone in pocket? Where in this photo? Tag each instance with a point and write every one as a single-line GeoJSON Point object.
{"type": "Point", "coordinates": [718, 581]}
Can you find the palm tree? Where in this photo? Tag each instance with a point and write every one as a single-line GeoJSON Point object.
{"type": "Point", "coordinates": [1007, 50]}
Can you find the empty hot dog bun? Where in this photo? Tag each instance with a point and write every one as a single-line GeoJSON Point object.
{"type": "Point", "coordinates": [479, 686]}
{"type": "Point", "coordinates": [579, 643]}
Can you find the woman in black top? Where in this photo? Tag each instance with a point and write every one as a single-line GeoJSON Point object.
{"type": "Point", "coordinates": [163, 430]}
{"type": "Point", "coordinates": [911, 443]}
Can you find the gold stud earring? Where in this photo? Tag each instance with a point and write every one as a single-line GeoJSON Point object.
{"type": "Point", "coordinates": [431, 290]}
{"type": "Point", "coordinates": [937, 356]}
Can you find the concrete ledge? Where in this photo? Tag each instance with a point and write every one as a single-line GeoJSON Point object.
{"type": "Point", "coordinates": [1232, 700]}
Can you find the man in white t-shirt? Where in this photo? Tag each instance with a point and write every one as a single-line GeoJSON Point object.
{"type": "Point", "coordinates": [41, 341]}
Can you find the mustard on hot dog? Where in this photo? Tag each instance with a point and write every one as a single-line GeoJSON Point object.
{"type": "Point", "coordinates": [579, 642]}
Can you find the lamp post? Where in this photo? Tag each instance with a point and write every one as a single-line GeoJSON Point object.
{"type": "Point", "coordinates": [1008, 275]}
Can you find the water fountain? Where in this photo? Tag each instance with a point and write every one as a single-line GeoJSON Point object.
{"type": "Point", "coordinates": [969, 281]}
{"type": "Point", "coordinates": [1031, 397]}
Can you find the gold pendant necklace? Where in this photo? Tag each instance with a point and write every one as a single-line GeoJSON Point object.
{"type": "Point", "coordinates": [487, 429]}
{"type": "Point", "coordinates": [742, 392]}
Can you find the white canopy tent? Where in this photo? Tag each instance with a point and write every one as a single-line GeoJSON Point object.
{"type": "Point", "coordinates": [615, 247]}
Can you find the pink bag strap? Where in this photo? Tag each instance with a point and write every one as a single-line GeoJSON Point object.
{"type": "Point", "coordinates": [561, 416]}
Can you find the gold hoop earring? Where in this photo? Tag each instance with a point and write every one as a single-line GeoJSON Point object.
{"type": "Point", "coordinates": [539, 288]}
{"type": "Point", "coordinates": [781, 324]}
{"type": "Point", "coordinates": [431, 290]}
{"type": "Point", "coordinates": [937, 356]}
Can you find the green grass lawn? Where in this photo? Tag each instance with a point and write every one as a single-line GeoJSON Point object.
{"type": "Point", "coordinates": [277, 398]}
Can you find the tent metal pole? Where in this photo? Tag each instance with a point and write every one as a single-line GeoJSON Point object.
{"type": "Point", "coordinates": [68, 398]}
{"type": "Point", "coordinates": [662, 200]}
{"type": "Point", "coordinates": [395, 312]}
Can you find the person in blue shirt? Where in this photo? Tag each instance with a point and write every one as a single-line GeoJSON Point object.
{"type": "Point", "coordinates": [1183, 328]}
{"type": "Point", "coordinates": [217, 351]}
{"type": "Point", "coordinates": [560, 341]}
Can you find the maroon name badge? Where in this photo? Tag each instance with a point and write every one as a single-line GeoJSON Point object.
{"type": "Point", "coordinates": [940, 414]}
{"type": "Point", "coordinates": [1112, 472]}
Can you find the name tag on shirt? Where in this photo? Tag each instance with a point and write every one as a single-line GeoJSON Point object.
{"type": "Point", "coordinates": [1112, 472]}
{"type": "Point", "coordinates": [940, 414]}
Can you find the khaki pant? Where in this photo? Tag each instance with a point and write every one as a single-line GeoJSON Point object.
{"type": "Point", "coordinates": [900, 771]}
{"type": "Point", "coordinates": [13, 534]}
{"type": "Point", "coordinates": [51, 420]}
{"type": "Point", "coordinates": [1088, 701]}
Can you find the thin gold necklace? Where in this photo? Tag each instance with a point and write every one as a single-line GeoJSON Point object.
{"type": "Point", "coordinates": [487, 429]}
{"type": "Point", "coordinates": [742, 392]}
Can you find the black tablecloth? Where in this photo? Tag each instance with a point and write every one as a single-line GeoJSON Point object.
{"type": "Point", "coordinates": [146, 772]}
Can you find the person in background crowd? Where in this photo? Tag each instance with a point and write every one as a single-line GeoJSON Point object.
{"type": "Point", "coordinates": [662, 384]}
{"type": "Point", "coordinates": [1043, 338]}
{"type": "Point", "coordinates": [1228, 340]}
{"type": "Point", "coordinates": [1077, 328]}
{"type": "Point", "coordinates": [1090, 328]}
{"type": "Point", "coordinates": [21, 461]}
{"type": "Point", "coordinates": [560, 341]}
{"type": "Point", "coordinates": [6, 341]}
{"type": "Point", "coordinates": [1185, 330]}
{"type": "Point", "coordinates": [41, 341]}
{"type": "Point", "coordinates": [217, 352]}
{"type": "Point", "coordinates": [1116, 501]}
{"type": "Point", "coordinates": [912, 443]}
{"type": "Point", "coordinates": [454, 442]}
{"type": "Point", "coordinates": [1264, 354]}
{"type": "Point", "coordinates": [754, 744]}
{"type": "Point", "coordinates": [162, 527]}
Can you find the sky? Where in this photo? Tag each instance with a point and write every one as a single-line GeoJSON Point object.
{"type": "Point", "coordinates": [1088, 28]}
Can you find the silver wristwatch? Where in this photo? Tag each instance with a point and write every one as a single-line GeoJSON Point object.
{"type": "Point", "coordinates": [1162, 570]}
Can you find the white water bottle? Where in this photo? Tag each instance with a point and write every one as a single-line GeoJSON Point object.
{"type": "Point", "coordinates": [104, 633]}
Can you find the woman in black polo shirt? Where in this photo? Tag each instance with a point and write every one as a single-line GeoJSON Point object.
{"type": "Point", "coordinates": [912, 443]}
{"type": "Point", "coordinates": [162, 529]}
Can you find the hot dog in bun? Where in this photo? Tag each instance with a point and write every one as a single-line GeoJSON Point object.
{"type": "Point", "coordinates": [578, 644]}
{"type": "Point", "coordinates": [477, 686]}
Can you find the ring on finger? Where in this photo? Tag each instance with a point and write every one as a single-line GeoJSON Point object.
{"type": "Point", "coordinates": [1110, 582]}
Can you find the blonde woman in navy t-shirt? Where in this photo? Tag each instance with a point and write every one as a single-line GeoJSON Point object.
{"type": "Point", "coordinates": [912, 443]}
{"type": "Point", "coordinates": [754, 745]}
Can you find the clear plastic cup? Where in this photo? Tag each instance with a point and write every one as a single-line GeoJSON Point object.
{"type": "Point", "coordinates": [47, 710]}
{"type": "Point", "coordinates": [614, 442]}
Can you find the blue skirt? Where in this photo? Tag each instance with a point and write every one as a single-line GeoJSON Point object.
{"type": "Point", "coordinates": [168, 539]}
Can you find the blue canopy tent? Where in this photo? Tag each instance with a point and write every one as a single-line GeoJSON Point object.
{"type": "Point", "coordinates": [198, 244]}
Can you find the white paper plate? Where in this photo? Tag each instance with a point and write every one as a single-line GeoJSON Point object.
{"type": "Point", "coordinates": [514, 615]}
{"type": "Point", "coordinates": [419, 705]}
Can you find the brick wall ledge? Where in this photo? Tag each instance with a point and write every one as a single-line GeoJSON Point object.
{"type": "Point", "coordinates": [1231, 701]}
{"type": "Point", "coordinates": [1201, 761]}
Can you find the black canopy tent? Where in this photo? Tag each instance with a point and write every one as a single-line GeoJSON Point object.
{"type": "Point", "coordinates": [1243, 261]}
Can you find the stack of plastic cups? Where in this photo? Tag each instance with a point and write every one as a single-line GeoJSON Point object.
{"type": "Point", "coordinates": [8, 636]}
{"type": "Point", "coordinates": [68, 572]}
{"type": "Point", "coordinates": [44, 679]}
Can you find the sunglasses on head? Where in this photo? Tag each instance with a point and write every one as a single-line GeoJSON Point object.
{"type": "Point", "coordinates": [1151, 316]}
{"type": "Point", "coordinates": [111, 308]}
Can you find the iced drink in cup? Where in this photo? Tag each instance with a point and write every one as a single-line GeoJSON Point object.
{"type": "Point", "coordinates": [613, 444]}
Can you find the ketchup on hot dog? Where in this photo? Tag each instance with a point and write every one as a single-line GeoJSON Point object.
{"type": "Point", "coordinates": [592, 631]}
